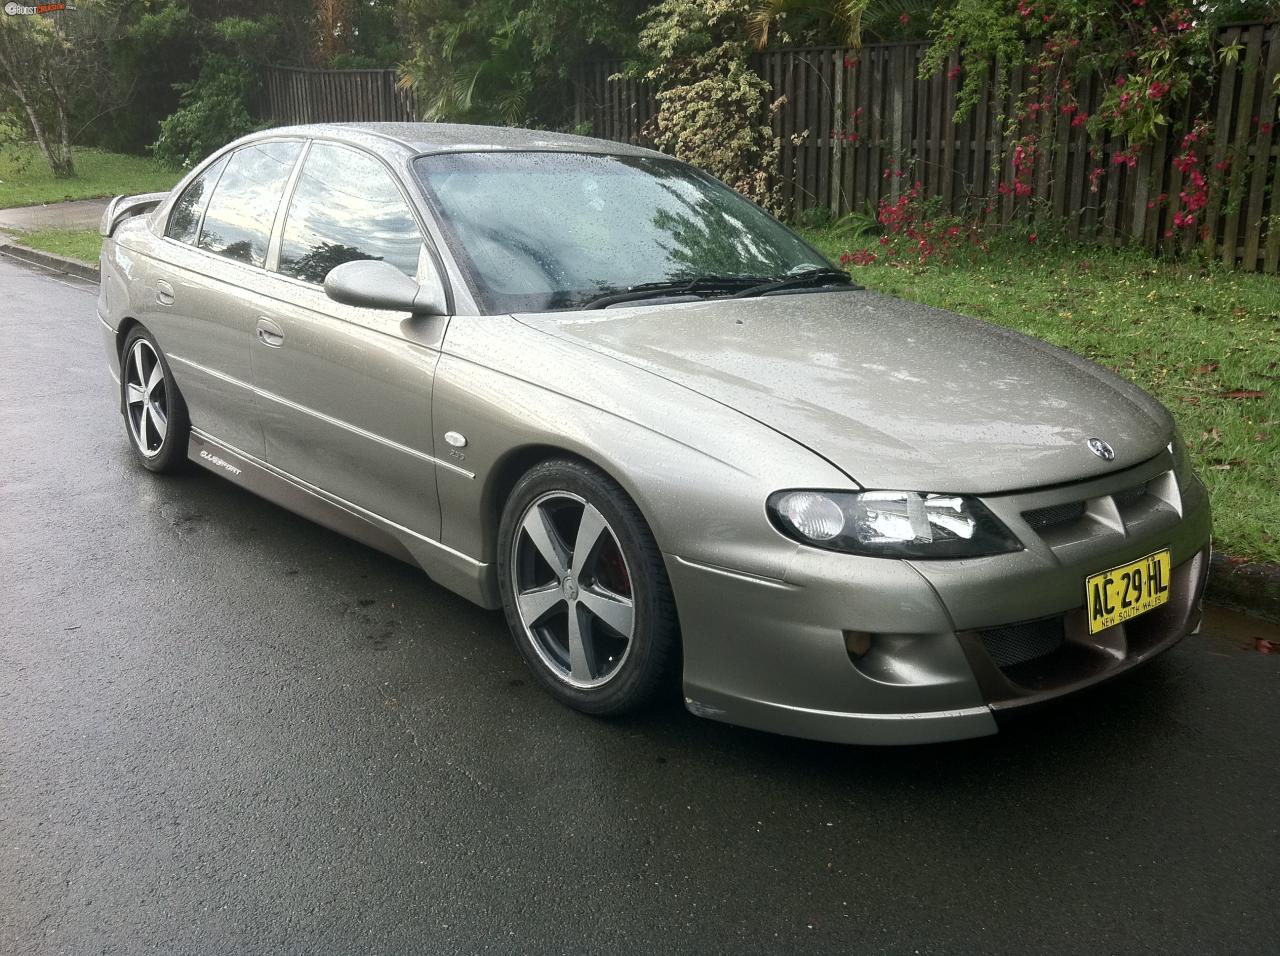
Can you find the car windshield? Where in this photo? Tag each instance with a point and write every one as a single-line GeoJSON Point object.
{"type": "Point", "coordinates": [537, 231]}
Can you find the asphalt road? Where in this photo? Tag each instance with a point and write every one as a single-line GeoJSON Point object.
{"type": "Point", "coordinates": [224, 729]}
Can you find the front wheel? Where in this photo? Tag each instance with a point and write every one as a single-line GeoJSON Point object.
{"type": "Point", "coordinates": [585, 590]}
{"type": "Point", "coordinates": [155, 415]}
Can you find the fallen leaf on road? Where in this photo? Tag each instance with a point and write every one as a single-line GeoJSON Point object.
{"type": "Point", "coordinates": [1264, 646]}
{"type": "Point", "coordinates": [1243, 393]}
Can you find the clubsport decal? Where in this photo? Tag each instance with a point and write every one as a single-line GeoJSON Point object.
{"type": "Point", "coordinates": [221, 463]}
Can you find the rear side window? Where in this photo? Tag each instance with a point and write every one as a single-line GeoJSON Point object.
{"type": "Point", "coordinates": [346, 206]}
{"type": "Point", "coordinates": [184, 221]}
{"type": "Point", "coordinates": [238, 222]}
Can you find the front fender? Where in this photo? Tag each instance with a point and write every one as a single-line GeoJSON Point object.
{"type": "Point", "coordinates": [698, 471]}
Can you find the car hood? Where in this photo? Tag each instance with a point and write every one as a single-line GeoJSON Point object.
{"type": "Point", "coordinates": [895, 394]}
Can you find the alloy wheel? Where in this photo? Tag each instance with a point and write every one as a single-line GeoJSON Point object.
{"type": "Point", "coordinates": [573, 589]}
{"type": "Point", "coordinates": [146, 398]}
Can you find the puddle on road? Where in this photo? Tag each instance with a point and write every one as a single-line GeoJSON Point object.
{"type": "Point", "coordinates": [1233, 631]}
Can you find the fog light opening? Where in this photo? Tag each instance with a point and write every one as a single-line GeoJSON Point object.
{"type": "Point", "coordinates": [857, 643]}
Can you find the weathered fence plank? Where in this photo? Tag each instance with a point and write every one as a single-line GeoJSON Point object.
{"type": "Point", "coordinates": [297, 95]}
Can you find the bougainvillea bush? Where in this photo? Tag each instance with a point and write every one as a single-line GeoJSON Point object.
{"type": "Point", "coordinates": [1153, 59]}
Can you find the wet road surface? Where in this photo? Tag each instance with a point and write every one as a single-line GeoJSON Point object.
{"type": "Point", "coordinates": [223, 728]}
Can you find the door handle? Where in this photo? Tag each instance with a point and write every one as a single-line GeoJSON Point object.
{"type": "Point", "coordinates": [269, 333]}
{"type": "Point", "coordinates": [164, 292]}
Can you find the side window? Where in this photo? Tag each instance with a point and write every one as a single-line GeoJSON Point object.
{"type": "Point", "coordinates": [346, 206]}
{"type": "Point", "coordinates": [184, 220]}
{"type": "Point", "coordinates": [244, 204]}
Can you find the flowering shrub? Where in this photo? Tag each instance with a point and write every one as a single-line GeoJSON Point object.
{"type": "Point", "coordinates": [1148, 56]}
{"type": "Point", "coordinates": [915, 230]}
{"type": "Point", "coordinates": [713, 109]}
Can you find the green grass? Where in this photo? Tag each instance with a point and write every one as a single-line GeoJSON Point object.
{"type": "Point", "coordinates": [82, 244]}
{"type": "Point", "coordinates": [1188, 333]}
{"type": "Point", "coordinates": [25, 179]}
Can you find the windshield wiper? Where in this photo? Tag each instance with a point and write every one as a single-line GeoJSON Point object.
{"type": "Point", "coordinates": [649, 290]}
{"type": "Point", "coordinates": [798, 280]}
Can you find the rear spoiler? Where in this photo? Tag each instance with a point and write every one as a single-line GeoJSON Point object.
{"type": "Point", "coordinates": [124, 207]}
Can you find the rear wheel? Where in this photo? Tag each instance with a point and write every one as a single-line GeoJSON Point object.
{"type": "Point", "coordinates": [155, 415]}
{"type": "Point", "coordinates": [585, 590]}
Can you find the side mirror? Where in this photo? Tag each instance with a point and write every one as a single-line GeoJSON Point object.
{"type": "Point", "coordinates": [374, 284]}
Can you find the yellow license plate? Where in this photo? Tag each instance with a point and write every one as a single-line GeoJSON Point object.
{"type": "Point", "coordinates": [1125, 592]}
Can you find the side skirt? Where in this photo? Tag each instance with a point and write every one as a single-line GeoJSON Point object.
{"type": "Point", "coordinates": [474, 580]}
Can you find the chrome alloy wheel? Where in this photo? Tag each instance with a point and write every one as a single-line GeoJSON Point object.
{"type": "Point", "coordinates": [575, 601]}
{"type": "Point", "coordinates": [146, 398]}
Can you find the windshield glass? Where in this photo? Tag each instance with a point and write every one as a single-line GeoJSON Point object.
{"type": "Point", "coordinates": [547, 230]}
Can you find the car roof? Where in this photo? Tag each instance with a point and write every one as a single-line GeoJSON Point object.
{"type": "Point", "coordinates": [458, 137]}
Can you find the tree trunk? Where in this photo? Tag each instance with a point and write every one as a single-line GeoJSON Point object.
{"type": "Point", "coordinates": [65, 167]}
{"type": "Point", "coordinates": [56, 154]}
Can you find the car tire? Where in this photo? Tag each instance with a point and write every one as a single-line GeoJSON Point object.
{"type": "Point", "coordinates": [155, 415]}
{"type": "Point", "coordinates": [574, 550]}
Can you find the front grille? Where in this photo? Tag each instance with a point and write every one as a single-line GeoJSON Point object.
{"type": "Point", "coordinates": [1019, 643]}
{"type": "Point", "coordinates": [1054, 515]}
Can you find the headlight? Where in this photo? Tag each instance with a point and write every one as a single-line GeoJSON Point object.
{"type": "Point", "coordinates": [891, 524]}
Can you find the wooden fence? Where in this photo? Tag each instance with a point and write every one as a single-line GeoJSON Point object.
{"type": "Point", "coordinates": [858, 128]}
{"type": "Point", "coordinates": [295, 95]}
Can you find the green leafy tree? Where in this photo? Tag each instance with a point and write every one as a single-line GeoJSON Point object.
{"type": "Point", "coordinates": [46, 63]}
{"type": "Point", "coordinates": [374, 37]}
{"type": "Point", "coordinates": [217, 105]}
{"type": "Point", "coordinates": [842, 22]}
{"type": "Point", "coordinates": [501, 61]}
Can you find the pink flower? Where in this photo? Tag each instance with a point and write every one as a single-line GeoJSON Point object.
{"type": "Point", "coordinates": [904, 19]}
{"type": "Point", "coordinates": [1032, 238]}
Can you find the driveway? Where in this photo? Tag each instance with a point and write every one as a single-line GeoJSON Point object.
{"type": "Point", "coordinates": [224, 729]}
{"type": "Point", "coordinates": [80, 214]}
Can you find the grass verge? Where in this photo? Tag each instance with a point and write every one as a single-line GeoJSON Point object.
{"type": "Point", "coordinates": [25, 179]}
{"type": "Point", "coordinates": [82, 244]}
{"type": "Point", "coordinates": [1204, 340]}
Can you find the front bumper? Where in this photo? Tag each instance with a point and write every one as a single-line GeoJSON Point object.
{"type": "Point", "coordinates": [874, 651]}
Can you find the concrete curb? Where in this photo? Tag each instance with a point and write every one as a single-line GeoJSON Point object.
{"type": "Point", "coordinates": [47, 259]}
{"type": "Point", "coordinates": [1252, 589]}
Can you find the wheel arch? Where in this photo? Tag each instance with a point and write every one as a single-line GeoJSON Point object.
{"type": "Point", "coordinates": [127, 325]}
{"type": "Point", "coordinates": [514, 465]}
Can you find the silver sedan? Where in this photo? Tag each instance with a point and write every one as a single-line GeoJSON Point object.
{"type": "Point", "coordinates": [590, 385]}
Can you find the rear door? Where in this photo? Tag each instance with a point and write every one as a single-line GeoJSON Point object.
{"type": "Point", "coordinates": [213, 257]}
{"type": "Point", "coordinates": [345, 393]}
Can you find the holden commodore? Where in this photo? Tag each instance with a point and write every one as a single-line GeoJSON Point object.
{"type": "Point", "coordinates": [589, 385]}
